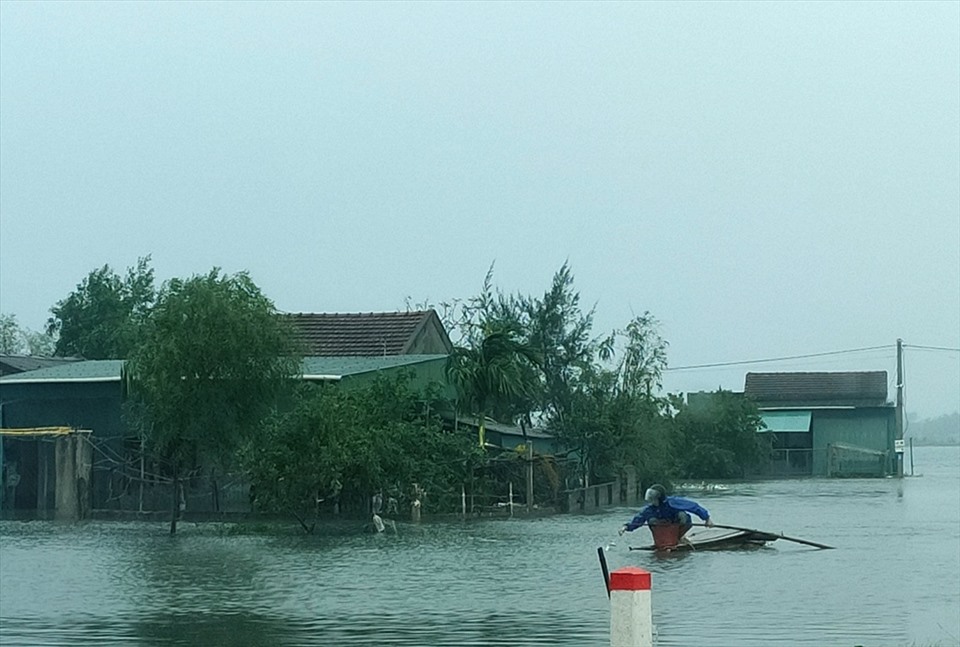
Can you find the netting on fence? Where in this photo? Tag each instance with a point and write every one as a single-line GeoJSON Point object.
{"type": "Point", "coordinates": [851, 461]}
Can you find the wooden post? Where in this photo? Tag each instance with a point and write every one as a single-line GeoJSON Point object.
{"type": "Point", "coordinates": [631, 610]}
{"type": "Point", "coordinates": [911, 455]}
{"type": "Point", "coordinates": [529, 476]}
{"type": "Point", "coordinates": [511, 498]}
{"type": "Point", "coordinates": [463, 502]}
{"type": "Point", "coordinates": [142, 474]}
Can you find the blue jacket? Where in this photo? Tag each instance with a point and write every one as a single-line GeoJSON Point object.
{"type": "Point", "coordinates": [667, 511]}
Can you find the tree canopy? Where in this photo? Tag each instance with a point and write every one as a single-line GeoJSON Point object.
{"type": "Point", "coordinates": [214, 358]}
{"type": "Point", "coordinates": [104, 316]}
{"type": "Point", "coordinates": [17, 340]}
{"type": "Point", "coordinates": [381, 436]}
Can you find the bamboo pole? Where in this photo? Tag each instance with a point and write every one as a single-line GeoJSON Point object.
{"type": "Point", "coordinates": [779, 535]}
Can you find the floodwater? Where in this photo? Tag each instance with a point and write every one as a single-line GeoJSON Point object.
{"type": "Point", "coordinates": [894, 579]}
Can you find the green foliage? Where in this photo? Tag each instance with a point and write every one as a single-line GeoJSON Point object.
{"type": "Point", "coordinates": [496, 377]}
{"type": "Point", "coordinates": [644, 357]}
{"type": "Point", "coordinates": [17, 340]}
{"type": "Point", "coordinates": [214, 358]}
{"type": "Point", "coordinates": [104, 316]}
{"type": "Point", "coordinates": [718, 438]}
{"type": "Point", "coordinates": [381, 436]}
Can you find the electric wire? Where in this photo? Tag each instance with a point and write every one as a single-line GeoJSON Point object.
{"type": "Point", "coordinates": [777, 359]}
{"type": "Point", "coordinates": [935, 348]}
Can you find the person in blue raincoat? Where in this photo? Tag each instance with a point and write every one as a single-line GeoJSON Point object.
{"type": "Point", "coordinates": [667, 509]}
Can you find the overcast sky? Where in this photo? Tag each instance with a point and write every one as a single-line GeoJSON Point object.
{"type": "Point", "coordinates": [769, 180]}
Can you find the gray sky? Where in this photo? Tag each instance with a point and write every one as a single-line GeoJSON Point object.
{"type": "Point", "coordinates": [767, 179]}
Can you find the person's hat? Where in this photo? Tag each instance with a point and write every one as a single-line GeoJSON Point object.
{"type": "Point", "coordinates": [655, 494]}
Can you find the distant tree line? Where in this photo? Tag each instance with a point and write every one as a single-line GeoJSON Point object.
{"type": "Point", "coordinates": [942, 430]}
{"type": "Point", "coordinates": [211, 384]}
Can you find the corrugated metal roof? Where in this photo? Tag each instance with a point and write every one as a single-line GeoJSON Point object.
{"type": "Point", "coordinates": [368, 334]}
{"type": "Point", "coordinates": [108, 370]}
{"type": "Point", "coordinates": [94, 370]}
{"type": "Point", "coordinates": [335, 367]}
{"type": "Point", "coordinates": [854, 388]}
{"type": "Point", "coordinates": [10, 364]}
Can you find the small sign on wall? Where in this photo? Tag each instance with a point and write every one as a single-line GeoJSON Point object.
{"type": "Point", "coordinates": [898, 446]}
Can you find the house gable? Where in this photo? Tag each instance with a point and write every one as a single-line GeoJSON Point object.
{"type": "Point", "coordinates": [372, 334]}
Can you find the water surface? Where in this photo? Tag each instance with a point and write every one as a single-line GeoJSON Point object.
{"type": "Point", "coordinates": [894, 578]}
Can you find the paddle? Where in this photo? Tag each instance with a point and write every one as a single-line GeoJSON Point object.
{"type": "Point", "coordinates": [778, 535]}
{"type": "Point", "coordinates": [603, 567]}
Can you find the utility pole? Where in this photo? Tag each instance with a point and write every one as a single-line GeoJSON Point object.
{"type": "Point", "coordinates": [898, 443]}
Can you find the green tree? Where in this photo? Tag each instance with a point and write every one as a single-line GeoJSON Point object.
{"type": "Point", "coordinates": [17, 340]}
{"type": "Point", "coordinates": [496, 377]}
{"type": "Point", "coordinates": [643, 358]}
{"type": "Point", "coordinates": [717, 437]}
{"type": "Point", "coordinates": [363, 439]}
{"type": "Point", "coordinates": [214, 359]}
{"type": "Point", "coordinates": [104, 316]}
{"type": "Point", "coordinates": [561, 335]}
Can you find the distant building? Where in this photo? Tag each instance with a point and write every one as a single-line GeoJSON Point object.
{"type": "Point", "coordinates": [371, 334]}
{"type": "Point", "coordinates": [828, 423]}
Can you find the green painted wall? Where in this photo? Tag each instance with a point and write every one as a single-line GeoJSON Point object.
{"type": "Point", "coordinates": [84, 405]}
{"type": "Point", "coordinates": [423, 373]}
{"type": "Point", "coordinates": [869, 428]}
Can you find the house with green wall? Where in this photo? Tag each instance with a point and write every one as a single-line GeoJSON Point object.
{"type": "Point", "coordinates": [357, 348]}
{"type": "Point", "coordinates": [837, 424]}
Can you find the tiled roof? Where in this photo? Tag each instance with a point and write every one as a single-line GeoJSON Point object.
{"type": "Point", "coordinates": [866, 388]}
{"type": "Point", "coordinates": [372, 334]}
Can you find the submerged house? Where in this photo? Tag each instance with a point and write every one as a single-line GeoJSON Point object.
{"type": "Point", "coordinates": [826, 423]}
{"type": "Point", "coordinates": [343, 349]}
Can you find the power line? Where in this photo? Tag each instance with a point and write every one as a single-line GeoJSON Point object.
{"type": "Point", "coordinates": [943, 348]}
{"type": "Point", "coordinates": [777, 359]}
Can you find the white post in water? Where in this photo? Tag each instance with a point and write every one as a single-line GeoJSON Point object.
{"type": "Point", "coordinates": [631, 612]}
{"type": "Point", "coordinates": [463, 502]}
{"type": "Point", "coordinates": [511, 498]}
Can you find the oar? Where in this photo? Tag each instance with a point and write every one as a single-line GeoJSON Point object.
{"type": "Point", "coordinates": [603, 567]}
{"type": "Point", "coordinates": [778, 535]}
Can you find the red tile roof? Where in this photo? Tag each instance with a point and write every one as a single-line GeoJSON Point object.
{"type": "Point", "coordinates": [369, 334]}
{"type": "Point", "coordinates": [865, 388]}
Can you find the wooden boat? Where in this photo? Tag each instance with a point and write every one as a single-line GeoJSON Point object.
{"type": "Point", "coordinates": [666, 538]}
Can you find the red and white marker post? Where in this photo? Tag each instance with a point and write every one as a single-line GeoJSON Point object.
{"type": "Point", "coordinates": [631, 611]}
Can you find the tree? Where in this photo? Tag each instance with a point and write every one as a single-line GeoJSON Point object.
{"type": "Point", "coordinates": [644, 357]}
{"type": "Point", "coordinates": [717, 437]}
{"type": "Point", "coordinates": [103, 317]}
{"type": "Point", "coordinates": [214, 358]}
{"type": "Point", "coordinates": [561, 335]}
{"type": "Point", "coordinates": [16, 340]}
{"type": "Point", "coordinates": [496, 377]}
{"type": "Point", "coordinates": [381, 436]}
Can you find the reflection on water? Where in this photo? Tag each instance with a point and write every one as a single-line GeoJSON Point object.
{"type": "Point", "coordinates": [893, 580]}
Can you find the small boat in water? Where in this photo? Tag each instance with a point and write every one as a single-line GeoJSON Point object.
{"type": "Point", "coordinates": [666, 538]}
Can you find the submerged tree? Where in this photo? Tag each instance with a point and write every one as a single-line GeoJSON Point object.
{"type": "Point", "coordinates": [214, 358]}
{"type": "Point", "coordinates": [104, 316]}
{"type": "Point", "coordinates": [382, 436]}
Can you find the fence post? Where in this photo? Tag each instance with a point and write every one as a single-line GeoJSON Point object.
{"type": "Point", "coordinates": [631, 612]}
